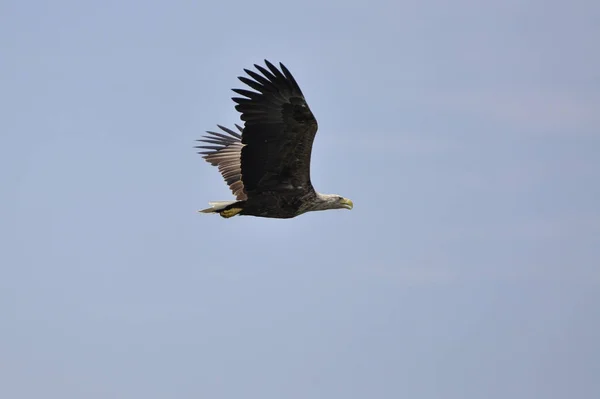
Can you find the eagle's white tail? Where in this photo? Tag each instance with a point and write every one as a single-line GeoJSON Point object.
{"type": "Point", "coordinates": [217, 206]}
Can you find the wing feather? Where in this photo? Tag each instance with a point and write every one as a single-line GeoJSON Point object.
{"type": "Point", "coordinates": [225, 153]}
{"type": "Point", "coordinates": [278, 133]}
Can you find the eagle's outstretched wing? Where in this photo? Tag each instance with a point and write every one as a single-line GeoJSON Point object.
{"type": "Point", "coordinates": [278, 134]}
{"type": "Point", "coordinates": [224, 152]}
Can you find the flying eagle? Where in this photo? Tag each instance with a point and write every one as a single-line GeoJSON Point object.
{"type": "Point", "coordinates": [267, 164]}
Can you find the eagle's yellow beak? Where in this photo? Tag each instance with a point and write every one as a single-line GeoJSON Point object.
{"type": "Point", "coordinates": [346, 203]}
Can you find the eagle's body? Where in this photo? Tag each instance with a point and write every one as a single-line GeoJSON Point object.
{"type": "Point", "coordinates": [267, 167]}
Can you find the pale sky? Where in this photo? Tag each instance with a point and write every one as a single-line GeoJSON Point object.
{"type": "Point", "coordinates": [467, 134]}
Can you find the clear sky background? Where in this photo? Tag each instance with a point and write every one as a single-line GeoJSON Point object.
{"type": "Point", "coordinates": [467, 133]}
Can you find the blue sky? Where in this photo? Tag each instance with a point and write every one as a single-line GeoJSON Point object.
{"type": "Point", "coordinates": [467, 134]}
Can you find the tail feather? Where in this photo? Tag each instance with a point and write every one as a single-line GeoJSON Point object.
{"type": "Point", "coordinates": [217, 206]}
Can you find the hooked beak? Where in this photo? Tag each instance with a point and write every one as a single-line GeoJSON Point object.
{"type": "Point", "coordinates": [346, 203]}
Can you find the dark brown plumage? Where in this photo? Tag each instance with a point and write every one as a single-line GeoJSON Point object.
{"type": "Point", "coordinates": [268, 167]}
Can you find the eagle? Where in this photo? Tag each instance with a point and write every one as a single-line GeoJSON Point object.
{"type": "Point", "coordinates": [266, 164]}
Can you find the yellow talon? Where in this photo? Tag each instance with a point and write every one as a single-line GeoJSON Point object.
{"type": "Point", "coordinates": [230, 212]}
